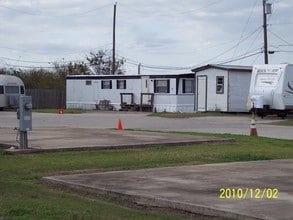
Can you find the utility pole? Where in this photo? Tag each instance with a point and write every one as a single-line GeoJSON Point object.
{"type": "Point", "coordinates": [266, 10]}
{"type": "Point", "coordinates": [114, 30]}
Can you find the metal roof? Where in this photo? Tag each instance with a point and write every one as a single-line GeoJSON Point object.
{"type": "Point", "coordinates": [223, 67]}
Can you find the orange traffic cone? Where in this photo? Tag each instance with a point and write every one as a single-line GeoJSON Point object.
{"type": "Point", "coordinates": [120, 127]}
{"type": "Point", "coordinates": [253, 131]}
{"type": "Point", "coordinates": [60, 111]}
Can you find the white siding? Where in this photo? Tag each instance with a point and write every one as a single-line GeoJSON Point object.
{"type": "Point", "coordinates": [165, 101]}
{"type": "Point", "coordinates": [80, 95]}
{"type": "Point", "coordinates": [185, 103]}
{"type": "Point", "coordinates": [215, 102]}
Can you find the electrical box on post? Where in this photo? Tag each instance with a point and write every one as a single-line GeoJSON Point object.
{"type": "Point", "coordinates": [25, 113]}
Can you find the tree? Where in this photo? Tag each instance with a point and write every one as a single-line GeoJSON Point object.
{"type": "Point", "coordinates": [102, 63]}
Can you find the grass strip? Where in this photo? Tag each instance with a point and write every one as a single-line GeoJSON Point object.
{"type": "Point", "coordinates": [22, 196]}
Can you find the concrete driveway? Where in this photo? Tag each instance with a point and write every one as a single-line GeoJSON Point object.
{"type": "Point", "coordinates": [262, 189]}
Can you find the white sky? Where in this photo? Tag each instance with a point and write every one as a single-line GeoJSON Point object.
{"type": "Point", "coordinates": [157, 33]}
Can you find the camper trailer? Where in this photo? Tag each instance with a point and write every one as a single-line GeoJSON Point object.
{"type": "Point", "coordinates": [271, 89]}
{"type": "Point", "coordinates": [11, 87]}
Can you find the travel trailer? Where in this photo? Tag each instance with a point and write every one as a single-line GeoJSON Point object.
{"type": "Point", "coordinates": [271, 90]}
{"type": "Point", "coordinates": [11, 88]}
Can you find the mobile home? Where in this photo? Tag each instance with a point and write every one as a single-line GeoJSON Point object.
{"type": "Point", "coordinates": [171, 93]}
{"type": "Point", "coordinates": [271, 89]}
{"type": "Point", "coordinates": [222, 87]}
{"type": "Point", "coordinates": [209, 88]}
{"type": "Point", "coordinates": [11, 87]}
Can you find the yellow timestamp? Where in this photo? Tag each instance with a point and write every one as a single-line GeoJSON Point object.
{"type": "Point", "coordinates": [248, 193]}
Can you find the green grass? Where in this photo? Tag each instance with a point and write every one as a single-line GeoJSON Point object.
{"type": "Point", "coordinates": [23, 196]}
{"type": "Point", "coordinates": [191, 115]}
{"type": "Point", "coordinates": [66, 111]}
{"type": "Point", "coordinates": [287, 122]}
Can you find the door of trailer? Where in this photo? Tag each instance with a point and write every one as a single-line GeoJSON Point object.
{"type": "Point", "coordinates": [145, 88]}
{"type": "Point", "coordinates": [202, 93]}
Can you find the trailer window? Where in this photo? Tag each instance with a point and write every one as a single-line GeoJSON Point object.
{"type": "Point", "coordinates": [21, 89]}
{"type": "Point", "coordinates": [88, 82]}
{"type": "Point", "coordinates": [267, 79]}
{"type": "Point", "coordinates": [220, 85]}
{"type": "Point", "coordinates": [106, 84]}
{"type": "Point", "coordinates": [188, 86]}
{"type": "Point", "coordinates": [1, 90]}
{"type": "Point", "coordinates": [121, 84]}
{"type": "Point", "coordinates": [12, 89]}
{"type": "Point", "coordinates": [162, 86]}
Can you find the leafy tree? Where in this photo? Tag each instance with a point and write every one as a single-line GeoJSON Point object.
{"type": "Point", "coordinates": [102, 63]}
{"type": "Point", "coordinates": [40, 79]}
{"type": "Point", "coordinates": [4, 71]}
{"type": "Point", "coordinates": [55, 78]}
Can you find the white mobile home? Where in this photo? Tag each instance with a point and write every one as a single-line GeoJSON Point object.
{"type": "Point", "coordinates": [169, 93]}
{"type": "Point", "coordinates": [271, 89]}
{"type": "Point", "coordinates": [222, 88]}
{"type": "Point", "coordinates": [11, 87]}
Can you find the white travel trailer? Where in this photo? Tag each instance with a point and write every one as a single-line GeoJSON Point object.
{"type": "Point", "coordinates": [271, 89]}
{"type": "Point", "coordinates": [11, 88]}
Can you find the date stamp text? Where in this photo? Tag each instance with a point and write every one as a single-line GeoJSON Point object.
{"type": "Point", "coordinates": [248, 193]}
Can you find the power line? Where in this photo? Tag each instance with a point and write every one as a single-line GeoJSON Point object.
{"type": "Point", "coordinates": [280, 38]}
{"type": "Point", "coordinates": [56, 16]}
{"type": "Point", "coordinates": [245, 26]}
{"type": "Point", "coordinates": [240, 58]}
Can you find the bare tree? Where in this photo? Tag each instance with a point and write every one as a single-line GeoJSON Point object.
{"type": "Point", "coordinates": [102, 63]}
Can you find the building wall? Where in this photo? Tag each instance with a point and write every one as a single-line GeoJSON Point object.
{"type": "Point", "coordinates": [173, 102]}
{"type": "Point", "coordinates": [215, 102]}
{"type": "Point", "coordinates": [81, 95]}
{"type": "Point", "coordinates": [132, 86]}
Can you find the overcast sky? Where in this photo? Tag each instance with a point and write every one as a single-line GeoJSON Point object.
{"type": "Point", "coordinates": [155, 33]}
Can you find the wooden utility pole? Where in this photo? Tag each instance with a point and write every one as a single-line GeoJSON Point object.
{"type": "Point", "coordinates": [266, 10]}
{"type": "Point", "coordinates": [114, 30]}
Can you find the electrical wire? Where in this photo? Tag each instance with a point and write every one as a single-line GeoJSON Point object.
{"type": "Point", "coordinates": [240, 58]}
{"type": "Point", "coordinates": [244, 29]}
{"type": "Point", "coordinates": [280, 38]}
{"type": "Point", "coordinates": [57, 16]}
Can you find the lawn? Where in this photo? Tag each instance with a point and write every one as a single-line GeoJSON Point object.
{"type": "Point", "coordinates": [65, 111]}
{"type": "Point", "coordinates": [196, 114]}
{"type": "Point", "coordinates": [24, 196]}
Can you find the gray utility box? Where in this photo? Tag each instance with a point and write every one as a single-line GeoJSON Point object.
{"type": "Point", "coordinates": [25, 113]}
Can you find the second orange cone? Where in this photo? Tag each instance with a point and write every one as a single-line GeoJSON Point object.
{"type": "Point", "coordinates": [120, 127]}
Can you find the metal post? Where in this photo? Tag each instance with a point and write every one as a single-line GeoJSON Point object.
{"type": "Point", "coordinates": [23, 143]}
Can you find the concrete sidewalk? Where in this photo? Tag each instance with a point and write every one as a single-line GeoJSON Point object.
{"type": "Point", "coordinates": [196, 188]}
{"type": "Point", "coordinates": [68, 138]}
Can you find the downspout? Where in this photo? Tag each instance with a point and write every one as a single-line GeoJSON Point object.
{"type": "Point", "coordinates": [228, 90]}
{"type": "Point", "coordinates": [195, 95]}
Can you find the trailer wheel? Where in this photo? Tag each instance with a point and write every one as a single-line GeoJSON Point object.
{"type": "Point", "coordinates": [260, 113]}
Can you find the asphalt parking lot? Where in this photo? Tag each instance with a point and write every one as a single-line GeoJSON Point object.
{"type": "Point", "coordinates": [137, 120]}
